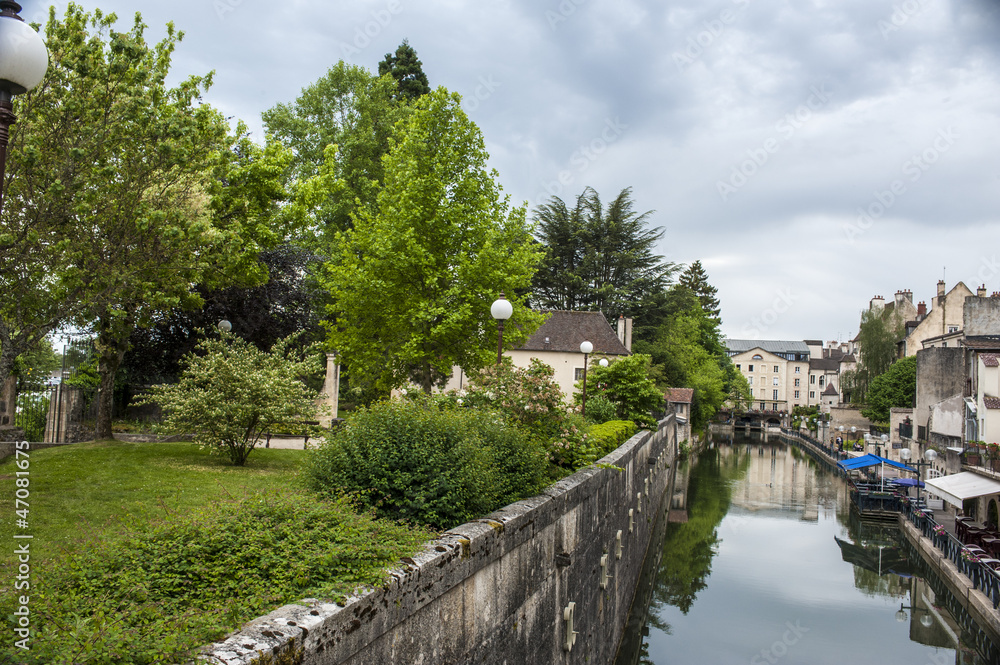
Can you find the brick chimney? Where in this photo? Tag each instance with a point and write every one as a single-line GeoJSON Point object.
{"type": "Point", "coordinates": [877, 303]}
{"type": "Point", "coordinates": [981, 291]}
{"type": "Point", "coordinates": [921, 310]}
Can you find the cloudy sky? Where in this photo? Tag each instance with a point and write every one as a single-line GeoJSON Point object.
{"type": "Point", "coordinates": [811, 154]}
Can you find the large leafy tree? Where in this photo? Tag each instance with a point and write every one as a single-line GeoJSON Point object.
{"type": "Point", "coordinates": [338, 130]}
{"type": "Point", "coordinates": [285, 304]}
{"type": "Point", "coordinates": [137, 188]}
{"type": "Point", "coordinates": [895, 388]}
{"type": "Point", "coordinates": [412, 282]}
{"type": "Point", "coordinates": [405, 67]}
{"type": "Point", "coordinates": [598, 257]}
{"type": "Point", "coordinates": [877, 337]}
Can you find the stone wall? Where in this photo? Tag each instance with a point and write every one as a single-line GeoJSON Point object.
{"type": "Point", "coordinates": [496, 590]}
{"type": "Point", "coordinates": [940, 375]}
{"type": "Point", "coordinates": [981, 316]}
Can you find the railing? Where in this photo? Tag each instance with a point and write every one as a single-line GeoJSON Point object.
{"type": "Point", "coordinates": [983, 577]}
{"type": "Point", "coordinates": [906, 430]}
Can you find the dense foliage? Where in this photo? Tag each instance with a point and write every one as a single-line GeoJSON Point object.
{"type": "Point", "coordinates": [405, 67]}
{"type": "Point", "coordinates": [157, 592]}
{"type": "Point", "coordinates": [877, 337]}
{"type": "Point", "coordinates": [425, 462]}
{"type": "Point", "coordinates": [527, 395]}
{"type": "Point", "coordinates": [625, 383]}
{"type": "Point", "coordinates": [895, 388]}
{"type": "Point", "coordinates": [230, 393]}
{"type": "Point", "coordinates": [596, 257]}
{"type": "Point", "coordinates": [436, 250]}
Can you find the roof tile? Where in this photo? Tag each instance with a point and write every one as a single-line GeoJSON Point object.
{"type": "Point", "coordinates": [566, 330]}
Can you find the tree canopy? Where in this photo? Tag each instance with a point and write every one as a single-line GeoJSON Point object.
{"type": "Point", "coordinates": [412, 282]}
{"type": "Point", "coordinates": [405, 67]}
{"type": "Point", "coordinates": [877, 337]}
{"type": "Point", "coordinates": [894, 388]}
{"type": "Point", "coordinates": [695, 278]}
{"type": "Point", "coordinates": [596, 257]}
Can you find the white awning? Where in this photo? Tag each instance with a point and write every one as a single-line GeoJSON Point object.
{"type": "Point", "coordinates": [960, 486]}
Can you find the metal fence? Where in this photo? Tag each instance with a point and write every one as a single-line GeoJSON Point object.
{"type": "Point", "coordinates": [54, 413]}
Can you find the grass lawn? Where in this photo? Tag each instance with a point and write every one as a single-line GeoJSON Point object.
{"type": "Point", "coordinates": [78, 489]}
{"type": "Point", "coordinates": [143, 552]}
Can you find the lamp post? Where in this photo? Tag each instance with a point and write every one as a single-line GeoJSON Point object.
{"type": "Point", "coordinates": [225, 326]}
{"type": "Point", "coordinates": [501, 310]}
{"type": "Point", "coordinates": [926, 620]}
{"type": "Point", "coordinates": [603, 362]}
{"type": "Point", "coordinates": [23, 61]}
{"type": "Point", "coordinates": [930, 455]}
{"type": "Point", "coordinates": [585, 349]}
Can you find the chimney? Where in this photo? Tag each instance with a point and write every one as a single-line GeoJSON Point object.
{"type": "Point", "coordinates": [996, 294]}
{"type": "Point", "coordinates": [921, 310]}
{"type": "Point", "coordinates": [625, 332]}
{"type": "Point", "coordinates": [940, 288]}
{"type": "Point", "coordinates": [878, 302]}
{"type": "Point", "coordinates": [981, 291]}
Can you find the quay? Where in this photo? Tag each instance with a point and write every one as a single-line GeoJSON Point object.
{"type": "Point", "coordinates": [965, 555]}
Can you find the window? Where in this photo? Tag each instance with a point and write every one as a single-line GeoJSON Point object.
{"type": "Point", "coordinates": [774, 381]}
{"type": "Point", "coordinates": [812, 378]}
{"type": "Point", "coordinates": [775, 395]}
{"type": "Point", "coordinates": [943, 344]}
{"type": "Point", "coordinates": [750, 380]}
{"type": "Point", "coordinates": [749, 368]}
{"type": "Point", "coordinates": [796, 394]}
{"type": "Point", "coordinates": [762, 406]}
{"type": "Point", "coordinates": [821, 381]}
{"type": "Point", "coordinates": [758, 357]}
{"type": "Point", "coordinates": [737, 367]}
{"type": "Point", "coordinates": [775, 369]}
{"type": "Point", "coordinates": [797, 384]}
{"type": "Point", "coordinates": [952, 329]}
{"type": "Point", "coordinates": [751, 392]}
{"type": "Point", "coordinates": [798, 370]}
{"type": "Point", "coordinates": [578, 374]}
{"type": "Point", "coordinates": [812, 394]}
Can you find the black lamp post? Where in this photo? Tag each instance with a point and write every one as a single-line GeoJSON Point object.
{"type": "Point", "coordinates": [585, 349]}
{"type": "Point", "coordinates": [23, 61]}
{"type": "Point", "coordinates": [501, 310]}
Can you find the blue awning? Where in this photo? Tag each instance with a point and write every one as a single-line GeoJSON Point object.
{"type": "Point", "coordinates": [871, 460]}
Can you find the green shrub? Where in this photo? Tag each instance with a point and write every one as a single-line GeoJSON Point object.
{"type": "Point", "coordinates": [412, 459]}
{"type": "Point", "coordinates": [600, 409]}
{"type": "Point", "coordinates": [612, 434]}
{"type": "Point", "coordinates": [156, 593]}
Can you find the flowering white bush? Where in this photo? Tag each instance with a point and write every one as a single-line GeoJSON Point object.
{"type": "Point", "coordinates": [230, 392]}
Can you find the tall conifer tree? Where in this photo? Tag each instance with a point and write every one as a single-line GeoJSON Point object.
{"type": "Point", "coordinates": [408, 71]}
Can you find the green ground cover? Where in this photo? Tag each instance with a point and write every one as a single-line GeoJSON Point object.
{"type": "Point", "coordinates": [141, 552]}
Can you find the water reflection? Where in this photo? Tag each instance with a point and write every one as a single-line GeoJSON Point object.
{"type": "Point", "coordinates": [762, 561]}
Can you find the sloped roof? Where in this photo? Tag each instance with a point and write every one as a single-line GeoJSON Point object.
{"type": "Point", "coordinates": [566, 330]}
{"type": "Point", "coordinates": [990, 359]}
{"type": "Point", "coordinates": [849, 358]}
{"type": "Point", "coordinates": [991, 342]}
{"type": "Point", "coordinates": [830, 390]}
{"type": "Point", "coordinates": [771, 346]}
{"type": "Point", "coordinates": [831, 364]}
{"type": "Point", "coordinates": [991, 402]}
{"type": "Point", "coordinates": [679, 395]}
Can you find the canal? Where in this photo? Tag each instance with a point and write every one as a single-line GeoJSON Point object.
{"type": "Point", "coordinates": [760, 560]}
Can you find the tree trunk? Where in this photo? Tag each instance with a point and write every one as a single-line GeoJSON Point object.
{"type": "Point", "coordinates": [111, 344]}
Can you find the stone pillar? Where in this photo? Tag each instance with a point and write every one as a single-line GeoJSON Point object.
{"type": "Point", "coordinates": [331, 390]}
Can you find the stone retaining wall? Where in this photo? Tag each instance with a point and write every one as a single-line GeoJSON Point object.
{"type": "Point", "coordinates": [496, 590]}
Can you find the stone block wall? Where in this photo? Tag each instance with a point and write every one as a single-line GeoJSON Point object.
{"type": "Point", "coordinates": [496, 590]}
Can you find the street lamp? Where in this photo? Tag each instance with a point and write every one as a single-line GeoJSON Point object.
{"type": "Point", "coordinates": [501, 310]}
{"type": "Point", "coordinates": [585, 348]}
{"type": "Point", "coordinates": [930, 455]}
{"type": "Point", "coordinates": [23, 61]}
{"type": "Point", "coordinates": [225, 326]}
{"type": "Point", "coordinates": [926, 620]}
{"type": "Point", "coordinates": [603, 362]}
